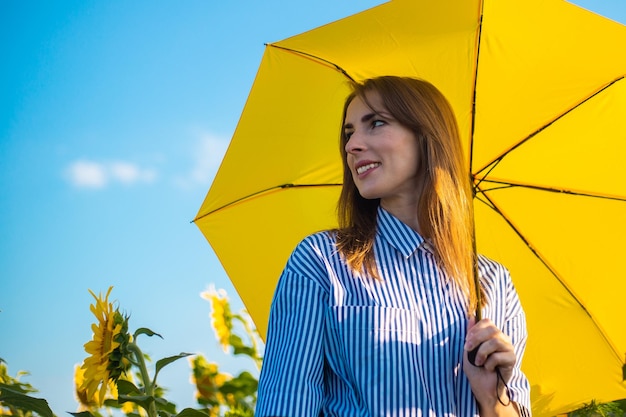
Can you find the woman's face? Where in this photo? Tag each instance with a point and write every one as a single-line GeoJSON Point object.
{"type": "Point", "coordinates": [382, 154]}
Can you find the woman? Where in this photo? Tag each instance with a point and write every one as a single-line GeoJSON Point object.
{"type": "Point", "coordinates": [376, 318]}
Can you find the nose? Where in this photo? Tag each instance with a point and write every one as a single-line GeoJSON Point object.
{"type": "Point", "coordinates": [355, 143]}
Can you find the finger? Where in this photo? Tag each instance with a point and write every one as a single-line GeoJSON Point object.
{"type": "Point", "coordinates": [471, 322]}
{"type": "Point", "coordinates": [478, 333]}
{"type": "Point", "coordinates": [481, 345]}
{"type": "Point", "coordinates": [503, 360]}
{"type": "Point", "coordinates": [477, 328]}
{"type": "Point", "coordinates": [496, 352]}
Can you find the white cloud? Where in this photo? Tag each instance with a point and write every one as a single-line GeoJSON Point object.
{"type": "Point", "coordinates": [92, 174]}
{"type": "Point", "coordinates": [201, 160]}
{"type": "Point", "coordinates": [128, 173]}
{"type": "Point", "coordinates": [207, 156]}
{"type": "Point", "coordinates": [87, 174]}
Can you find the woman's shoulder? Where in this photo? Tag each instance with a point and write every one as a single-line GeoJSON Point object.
{"type": "Point", "coordinates": [322, 240]}
{"type": "Point", "coordinates": [493, 273]}
{"type": "Point", "coordinates": [318, 246]}
{"type": "Point", "coordinates": [497, 281]}
{"type": "Point", "coordinates": [490, 266]}
{"type": "Point", "coordinates": [311, 258]}
{"type": "Point", "coordinates": [503, 304]}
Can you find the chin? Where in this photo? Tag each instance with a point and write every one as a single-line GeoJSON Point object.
{"type": "Point", "coordinates": [369, 195]}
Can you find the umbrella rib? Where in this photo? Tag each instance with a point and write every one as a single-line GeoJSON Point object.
{"type": "Point", "coordinates": [489, 203]}
{"type": "Point", "coordinates": [485, 175]}
{"type": "Point", "coordinates": [276, 187]}
{"type": "Point", "coordinates": [476, 277]}
{"type": "Point", "coordinates": [498, 159]}
{"type": "Point", "coordinates": [498, 185]}
{"type": "Point", "coordinates": [316, 58]}
{"type": "Point", "coordinates": [473, 118]}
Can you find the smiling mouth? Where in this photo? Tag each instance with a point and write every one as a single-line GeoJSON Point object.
{"type": "Point", "coordinates": [360, 170]}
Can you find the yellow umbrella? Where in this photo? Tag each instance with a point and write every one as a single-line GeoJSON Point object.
{"type": "Point", "coordinates": [538, 87]}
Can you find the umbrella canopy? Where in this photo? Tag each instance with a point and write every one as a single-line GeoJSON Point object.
{"type": "Point", "coordinates": [539, 92]}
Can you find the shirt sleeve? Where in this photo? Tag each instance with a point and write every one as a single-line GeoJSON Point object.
{"type": "Point", "coordinates": [505, 309]}
{"type": "Point", "coordinates": [291, 381]}
{"type": "Point", "coordinates": [515, 327]}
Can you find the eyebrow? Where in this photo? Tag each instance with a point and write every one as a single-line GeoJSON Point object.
{"type": "Point", "coordinates": [365, 118]}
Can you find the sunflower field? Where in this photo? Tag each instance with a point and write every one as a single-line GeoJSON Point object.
{"type": "Point", "coordinates": [116, 378]}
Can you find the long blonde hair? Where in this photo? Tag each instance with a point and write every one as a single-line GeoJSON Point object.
{"type": "Point", "coordinates": [445, 201]}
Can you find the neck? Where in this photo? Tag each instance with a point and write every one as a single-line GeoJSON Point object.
{"type": "Point", "coordinates": [405, 212]}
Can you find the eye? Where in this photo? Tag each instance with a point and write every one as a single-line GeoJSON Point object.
{"type": "Point", "coordinates": [378, 123]}
{"type": "Point", "coordinates": [347, 134]}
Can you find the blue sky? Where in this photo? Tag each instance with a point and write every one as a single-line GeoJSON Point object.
{"type": "Point", "coordinates": [114, 116]}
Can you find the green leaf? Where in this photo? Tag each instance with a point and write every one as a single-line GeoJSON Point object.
{"type": "Point", "coordinates": [165, 406]}
{"type": "Point", "coordinates": [82, 414]}
{"type": "Point", "coordinates": [148, 399]}
{"type": "Point", "coordinates": [190, 412]}
{"type": "Point", "coordinates": [14, 398]}
{"type": "Point", "coordinates": [110, 402]}
{"type": "Point", "coordinates": [16, 386]}
{"type": "Point", "coordinates": [161, 363]}
{"type": "Point", "coordinates": [242, 385]}
{"type": "Point", "coordinates": [129, 392]}
{"type": "Point", "coordinates": [143, 401]}
{"type": "Point", "coordinates": [240, 348]}
{"type": "Point", "coordinates": [146, 331]}
{"type": "Point", "coordinates": [126, 388]}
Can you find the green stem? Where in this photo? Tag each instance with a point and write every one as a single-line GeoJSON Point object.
{"type": "Point", "coordinates": [250, 333]}
{"type": "Point", "coordinates": [145, 377]}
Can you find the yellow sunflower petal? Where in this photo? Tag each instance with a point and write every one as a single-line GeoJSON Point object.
{"type": "Point", "coordinates": [100, 367]}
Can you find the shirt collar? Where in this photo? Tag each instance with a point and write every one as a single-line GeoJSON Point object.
{"type": "Point", "coordinates": [398, 234]}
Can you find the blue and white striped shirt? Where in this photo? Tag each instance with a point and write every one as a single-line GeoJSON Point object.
{"type": "Point", "coordinates": [341, 343]}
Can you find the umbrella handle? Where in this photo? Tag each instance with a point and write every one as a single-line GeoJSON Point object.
{"type": "Point", "coordinates": [476, 277]}
{"type": "Point", "coordinates": [471, 355]}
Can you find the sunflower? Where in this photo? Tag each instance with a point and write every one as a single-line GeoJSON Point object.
{"type": "Point", "coordinates": [107, 348]}
{"type": "Point", "coordinates": [91, 404]}
{"type": "Point", "coordinates": [208, 381]}
{"type": "Point", "coordinates": [221, 316]}
{"type": "Point", "coordinates": [85, 402]}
